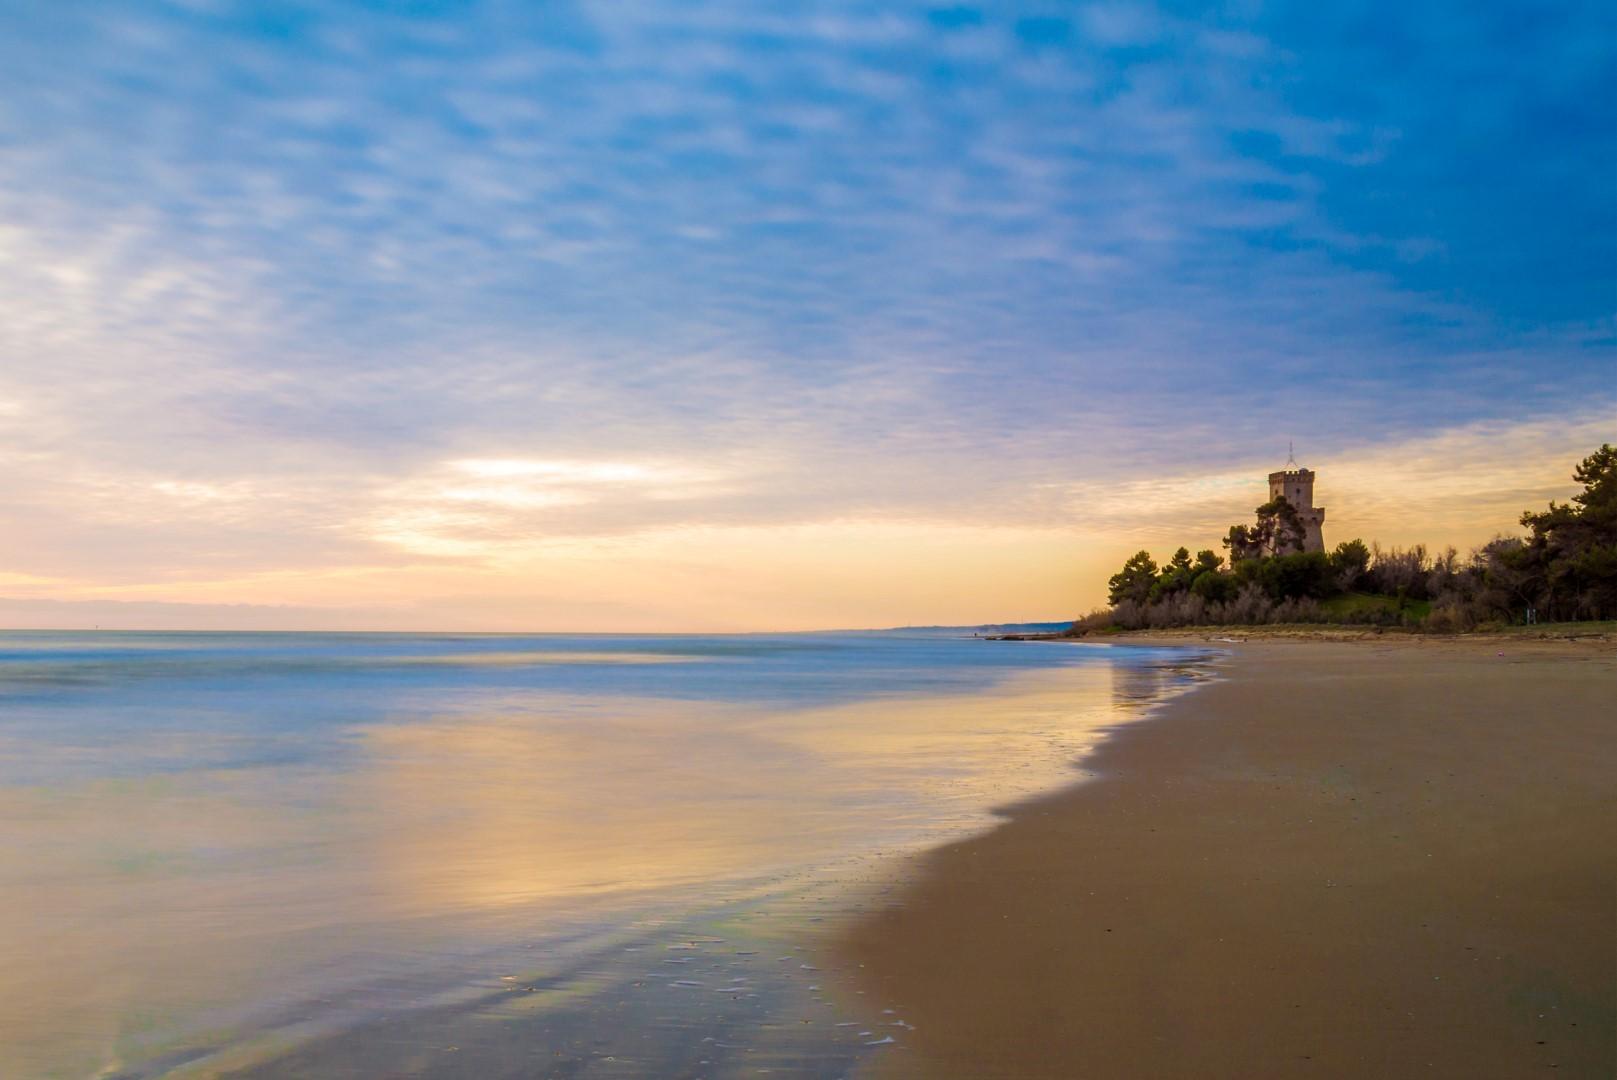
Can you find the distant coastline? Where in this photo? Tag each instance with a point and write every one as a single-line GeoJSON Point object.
{"type": "Point", "coordinates": [1279, 573]}
{"type": "Point", "coordinates": [1570, 631]}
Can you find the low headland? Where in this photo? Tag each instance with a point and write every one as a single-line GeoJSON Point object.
{"type": "Point", "coordinates": [1236, 633]}
{"type": "Point", "coordinates": [1564, 569]}
{"type": "Point", "coordinates": [1382, 843]}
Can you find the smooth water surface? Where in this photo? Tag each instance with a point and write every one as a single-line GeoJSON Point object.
{"type": "Point", "coordinates": [202, 834]}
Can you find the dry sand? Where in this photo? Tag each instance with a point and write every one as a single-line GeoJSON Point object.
{"type": "Point", "coordinates": [1366, 859]}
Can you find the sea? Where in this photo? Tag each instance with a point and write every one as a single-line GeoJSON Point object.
{"type": "Point", "coordinates": [490, 855]}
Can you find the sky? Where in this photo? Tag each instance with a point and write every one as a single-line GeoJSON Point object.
{"type": "Point", "coordinates": [722, 316]}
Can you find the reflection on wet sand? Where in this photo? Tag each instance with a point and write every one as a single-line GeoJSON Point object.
{"type": "Point", "coordinates": [548, 800]}
{"type": "Point", "coordinates": [216, 917]}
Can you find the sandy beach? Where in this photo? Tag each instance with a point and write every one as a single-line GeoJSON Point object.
{"type": "Point", "coordinates": [1380, 858]}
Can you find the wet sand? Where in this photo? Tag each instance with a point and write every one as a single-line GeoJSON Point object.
{"type": "Point", "coordinates": [1346, 859]}
{"type": "Point", "coordinates": [488, 856]}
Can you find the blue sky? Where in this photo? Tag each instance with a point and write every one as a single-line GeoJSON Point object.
{"type": "Point", "coordinates": [825, 263]}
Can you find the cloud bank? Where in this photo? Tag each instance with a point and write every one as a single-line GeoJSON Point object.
{"type": "Point", "coordinates": [443, 308]}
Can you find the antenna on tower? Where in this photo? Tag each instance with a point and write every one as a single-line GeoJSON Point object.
{"type": "Point", "coordinates": [1291, 457]}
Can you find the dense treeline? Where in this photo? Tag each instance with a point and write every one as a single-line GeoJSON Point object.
{"type": "Point", "coordinates": [1565, 568]}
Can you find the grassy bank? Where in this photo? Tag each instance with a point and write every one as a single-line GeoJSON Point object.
{"type": "Point", "coordinates": [1362, 607]}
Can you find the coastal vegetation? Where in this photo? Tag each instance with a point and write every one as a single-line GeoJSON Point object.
{"type": "Point", "coordinates": [1563, 569]}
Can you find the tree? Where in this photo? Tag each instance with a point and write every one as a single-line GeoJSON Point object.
{"type": "Point", "coordinates": [1208, 561]}
{"type": "Point", "coordinates": [1279, 531]}
{"type": "Point", "coordinates": [1298, 576]}
{"type": "Point", "coordinates": [1573, 547]}
{"type": "Point", "coordinates": [1598, 475]}
{"type": "Point", "coordinates": [1242, 544]}
{"type": "Point", "coordinates": [1349, 562]}
{"type": "Point", "coordinates": [1512, 577]}
{"type": "Point", "coordinates": [1134, 581]}
{"type": "Point", "coordinates": [1279, 520]}
{"type": "Point", "coordinates": [1398, 572]}
{"type": "Point", "coordinates": [1214, 587]}
{"type": "Point", "coordinates": [1593, 518]}
{"type": "Point", "coordinates": [1176, 577]}
{"type": "Point", "coordinates": [1590, 579]}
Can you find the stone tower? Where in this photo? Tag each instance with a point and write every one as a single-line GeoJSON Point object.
{"type": "Point", "coordinates": [1296, 484]}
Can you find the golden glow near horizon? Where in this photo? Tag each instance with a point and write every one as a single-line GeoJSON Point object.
{"type": "Point", "coordinates": [774, 329]}
{"type": "Point", "coordinates": [506, 542]}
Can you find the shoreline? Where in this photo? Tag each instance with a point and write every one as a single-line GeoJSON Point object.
{"type": "Point", "coordinates": [1238, 634]}
{"type": "Point", "coordinates": [760, 986]}
{"type": "Point", "coordinates": [718, 977]}
{"type": "Point", "coordinates": [1341, 858]}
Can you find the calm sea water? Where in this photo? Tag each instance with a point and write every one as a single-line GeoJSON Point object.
{"type": "Point", "coordinates": [255, 852]}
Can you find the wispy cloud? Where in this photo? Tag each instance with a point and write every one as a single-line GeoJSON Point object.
{"type": "Point", "coordinates": [275, 285]}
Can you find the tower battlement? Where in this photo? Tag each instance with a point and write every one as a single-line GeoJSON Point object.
{"type": "Point", "coordinates": [1297, 485]}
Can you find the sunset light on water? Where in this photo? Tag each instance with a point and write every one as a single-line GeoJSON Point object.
{"type": "Point", "coordinates": [840, 540]}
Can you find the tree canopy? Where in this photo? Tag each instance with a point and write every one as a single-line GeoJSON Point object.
{"type": "Point", "coordinates": [1564, 568]}
{"type": "Point", "coordinates": [1279, 530]}
{"type": "Point", "coordinates": [1568, 564]}
{"type": "Point", "coordinates": [1134, 581]}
